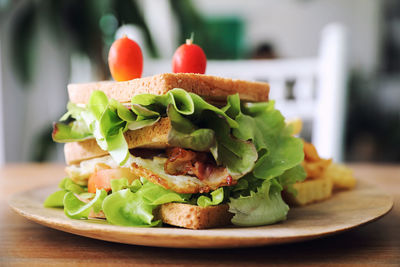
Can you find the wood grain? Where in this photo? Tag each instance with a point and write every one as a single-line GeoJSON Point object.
{"type": "Point", "coordinates": [23, 242]}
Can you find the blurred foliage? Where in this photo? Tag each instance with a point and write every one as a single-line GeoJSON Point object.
{"type": "Point", "coordinates": [23, 42]}
{"type": "Point", "coordinates": [89, 26]}
{"type": "Point", "coordinates": [226, 38]}
{"type": "Point", "coordinates": [189, 20]}
{"type": "Point", "coordinates": [44, 144]}
{"type": "Point", "coordinates": [220, 37]}
{"type": "Point", "coordinates": [76, 22]}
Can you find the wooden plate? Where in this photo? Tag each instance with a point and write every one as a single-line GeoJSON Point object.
{"type": "Point", "coordinates": [344, 211]}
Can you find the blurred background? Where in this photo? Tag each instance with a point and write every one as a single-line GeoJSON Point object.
{"type": "Point", "coordinates": [333, 63]}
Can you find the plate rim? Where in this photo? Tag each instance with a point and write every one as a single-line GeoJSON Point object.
{"type": "Point", "coordinates": [81, 227]}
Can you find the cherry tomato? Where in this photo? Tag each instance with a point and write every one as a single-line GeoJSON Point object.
{"type": "Point", "coordinates": [101, 179]}
{"type": "Point", "coordinates": [189, 58]}
{"type": "Point", "coordinates": [125, 60]}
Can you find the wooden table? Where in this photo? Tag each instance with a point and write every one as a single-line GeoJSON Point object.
{"type": "Point", "coordinates": [26, 243]}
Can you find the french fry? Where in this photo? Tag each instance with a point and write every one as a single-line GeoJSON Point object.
{"type": "Point", "coordinates": [341, 176]}
{"type": "Point", "coordinates": [316, 169]}
{"type": "Point", "coordinates": [310, 152]}
{"type": "Point", "coordinates": [323, 176]}
{"type": "Point", "coordinates": [310, 191]}
{"type": "Point", "coordinates": [296, 124]}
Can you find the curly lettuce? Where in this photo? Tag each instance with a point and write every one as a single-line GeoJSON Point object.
{"type": "Point", "coordinates": [133, 205]}
{"type": "Point", "coordinates": [216, 197]}
{"type": "Point", "coordinates": [107, 120]}
{"type": "Point", "coordinates": [261, 207]}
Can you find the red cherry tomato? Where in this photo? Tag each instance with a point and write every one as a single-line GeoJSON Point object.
{"type": "Point", "coordinates": [125, 60]}
{"type": "Point", "coordinates": [189, 58]}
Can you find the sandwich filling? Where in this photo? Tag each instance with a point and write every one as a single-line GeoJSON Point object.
{"type": "Point", "coordinates": [181, 170]}
{"type": "Point", "coordinates": [242, 154]}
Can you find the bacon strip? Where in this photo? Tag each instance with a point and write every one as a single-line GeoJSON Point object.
{"type": "Point", "coordinates": [186, 162]}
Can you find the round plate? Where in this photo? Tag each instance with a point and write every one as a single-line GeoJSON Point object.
{"type": "Point", "coordinates": [344, 211]}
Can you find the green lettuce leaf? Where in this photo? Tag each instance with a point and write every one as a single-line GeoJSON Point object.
{"type": "Point", "coordinates": [55, 200]}
{"type": "Point", "coordinates": [186, 135]}
{"type": "Point", "coordinates": [265, 126]}
{"type": "Point", "coordinates": [119, 184]}
{"type": "Point", "coordinates": [74, 208]}
{"type": "Point", "coordinates": [179, 98]}
{"type": "Point", "coordinates": [123, 112]}
{"type": "Point", "coordinates": [157, 195]}
{"type": "Point", "coordinates": [73, 132]}
{"type": "Point", "coordinates": [135, 185]}
{"type": "Point", "coordinates": [134, 121]}
{"type": "Point", "coordinates": [283, 151]}
{"type": "Point", "coordinates": [263, 207]}
{"type": "Point", "coordinates": [202, 106]}
{"type": "Point", "coordinates": [128, 209]}
{"type": "Point", "coordinates": [70, 186]}
{"type": "Point", "coordinates": [123, 183]}
{"type": "Point", "coordinates": [74, 111]}
{"type": "Point", "coordinates": [291, 176]}
{"type": "Point", "coordinates": [134, 206]}
{"type": "Point", "coordinates": [185, 103]}
{"type": "Point", "coordinates": [237, 155]}
{"type": "Point", "coordinates": [247, 184]}
{"type": "Point", "coordinates": [257, 199]}
{"type": "Point", "coordinates": [217, 196]}
{"type": "Point", "coordinates": [118, 147]}
{"type": "Point", "coordinates": [87, 195]}
{"type": "Point", "coordinates": [135, 125]}
{"type": "Point", "coordinates": [98, 103]}
{"type": "Point", "coordinates": [108, 120]}
{"type": "Point", "coordinates": [102, 119]}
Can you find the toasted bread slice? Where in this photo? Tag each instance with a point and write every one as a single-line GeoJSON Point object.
{"type": "Point", "coordinates": [155, 137]}
{"type": "Point", "coordinates": [195, 217]}
{"type": "Point", "coordinates": [310, 190]}
{"type": "Point", "coordinates": [188, 216]}
{"type": "Point", "coordinates": [211, 88]}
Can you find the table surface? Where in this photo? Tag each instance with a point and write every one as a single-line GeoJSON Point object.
{"type": "Point", "coordinates": [25, 242]}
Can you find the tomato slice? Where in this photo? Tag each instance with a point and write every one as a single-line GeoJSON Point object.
{"type": "Point", "coordinates": [101, 178]}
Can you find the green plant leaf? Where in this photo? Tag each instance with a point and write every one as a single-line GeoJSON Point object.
{"type": "Point", "coordinates": [128, 209]}
{"type": "Point", "coordinates": [157, 195]}
{"type": "Point", "coordinates": [217, 196]}
{"type": "Point", "coordinates": [263, 207]}
{"type": "Point", "coordinates": [237, 155]}
{"type": "Point", "coordinates": [119, 184]}
{"type": "Point", "coordinates": [98, 103]}
{"type": "Point", "coordinates": [71, 132]}
{"type": "Point", "coordinates": [55, 200]}
{"type": "Point", "coordinates": [76, 209]}
{"type": "Point", "coordinates": [186, 135]}
{"type": "Point", "coordinates": [71, 186]}
{"type": "Point", "coordinates": [291, 176]}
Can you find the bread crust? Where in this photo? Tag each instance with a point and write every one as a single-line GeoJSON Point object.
{"type": "Point", "coordinates": [194, 217]}
{"type": "Point", "coordinates": [188, 216]}
{"type": "Point", "coordinates": [211, 88]}
{"type": "Point", "coordinates": [155, 136]}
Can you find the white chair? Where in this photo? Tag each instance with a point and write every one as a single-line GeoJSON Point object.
{"type": "Point", "coordinates": [312, 89]}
